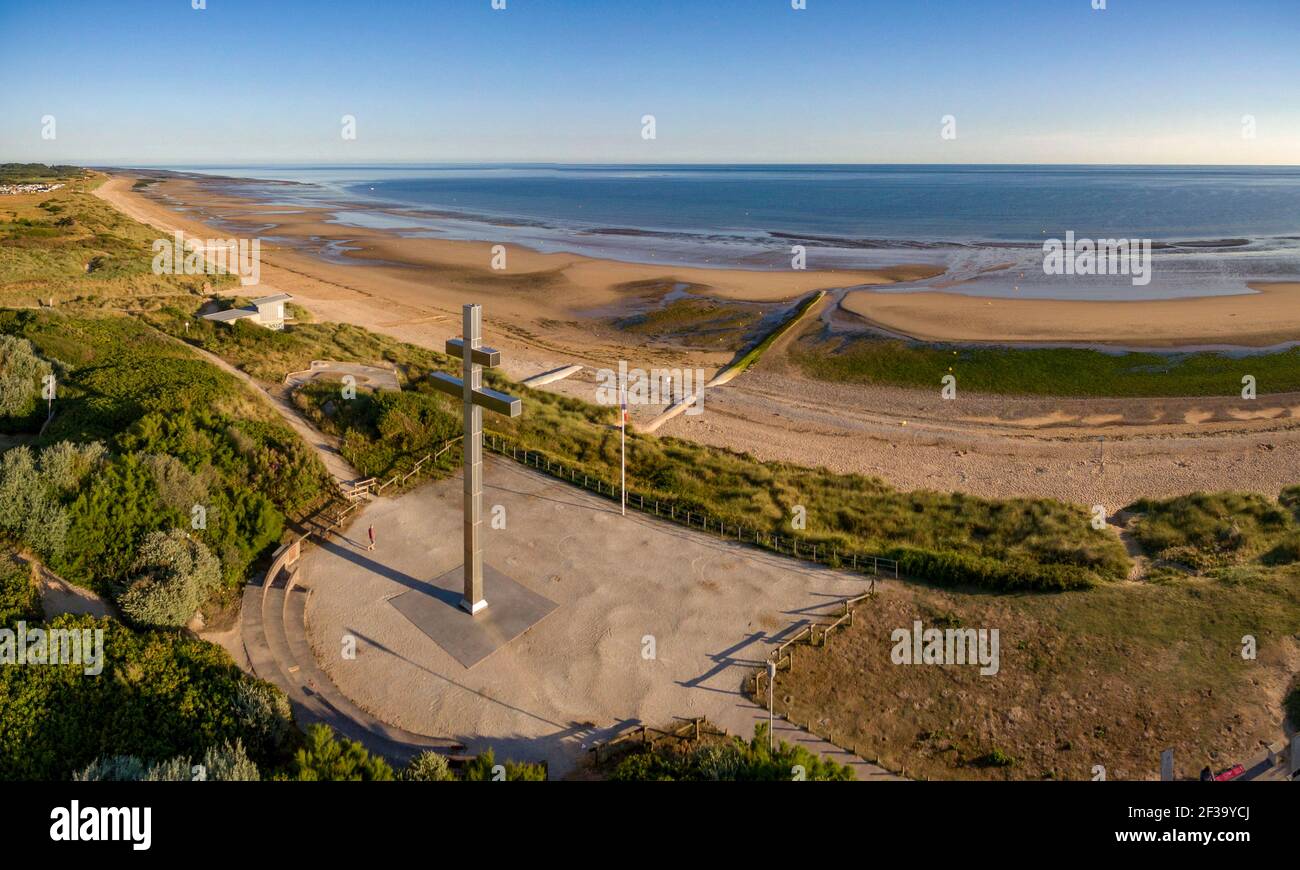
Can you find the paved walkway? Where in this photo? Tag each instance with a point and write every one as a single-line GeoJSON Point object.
{"type": "Point", "coordinates": [654, 621]}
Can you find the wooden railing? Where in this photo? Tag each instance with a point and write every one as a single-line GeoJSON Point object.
{"type": "Point", "coordinates": [830, 555]}
{"type": "Point", "coordinates": [357, 490]}
{"type": "Point", "coordinates": [690, 730]}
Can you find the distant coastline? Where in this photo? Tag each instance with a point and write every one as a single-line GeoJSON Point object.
{"type": "Point", "coordinates": [1214, 229]}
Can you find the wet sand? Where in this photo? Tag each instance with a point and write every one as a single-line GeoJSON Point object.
{"type": "Point", "coordinates": [1267, 317]}
{"type": "Point", "coordinates": [550, 310]}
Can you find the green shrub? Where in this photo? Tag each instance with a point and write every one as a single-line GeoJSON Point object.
{"type": "Point", "coordinates": [994, 758]}
{"type": "Point", "coordinates": [480, 767]}
{"type": "Point", "coordinates": [173, 575]}
{"type": "Point", "coordinates": [327, 757]}
{"type": "Point", "coordinates": [229, 763]}
{"type": "Point", "coordinates": [429, 766]}
{"type": "Point", "coordinates": [29, 507]}
{"type": "Point", "coordinates": [265, 717]}
{"type": "Point", "coordinates": [113, 768]}
{"type": "Point", "coordinates": [19, 598]}
{"type": "Point", "coordinates": [160, 694]}
{"type": "Point", "coordinates": [730, 759]}
{"type": "Point", "coordinates": [1210, 530]}
{"type": "Point", "coordinates": [22, 374]}
{"type": "Point", "coordinates": [952, 568]}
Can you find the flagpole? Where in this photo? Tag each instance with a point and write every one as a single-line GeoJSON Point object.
{"type": "Point", "coordinates": [623, 445]}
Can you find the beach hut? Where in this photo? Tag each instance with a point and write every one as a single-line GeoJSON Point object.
{"type": "Point", "coordinates": [267, 311]}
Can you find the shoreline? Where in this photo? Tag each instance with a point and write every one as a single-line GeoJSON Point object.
{"type": "Point", "coordinates": [989, 446]}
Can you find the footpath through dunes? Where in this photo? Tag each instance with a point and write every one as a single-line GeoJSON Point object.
{"type": "Point", "coordinates": [652, 621]}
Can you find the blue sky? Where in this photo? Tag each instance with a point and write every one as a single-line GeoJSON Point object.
{"type": "Point", "coordinates": [856, 81]}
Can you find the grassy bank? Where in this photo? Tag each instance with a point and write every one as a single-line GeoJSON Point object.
{"type": "Point", "coordinates": [949, 538]}
{"type": "Point", "coordinates": [1043, 372]}
{"type": "Point", "coordinates": [1109, 677]}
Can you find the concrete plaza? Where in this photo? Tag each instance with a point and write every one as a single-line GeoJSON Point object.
{"type": "Point", "coordinates": [652, 620]}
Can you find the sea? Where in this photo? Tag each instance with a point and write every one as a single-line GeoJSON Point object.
{"type": "Point", "coordinates": [1214, 229]}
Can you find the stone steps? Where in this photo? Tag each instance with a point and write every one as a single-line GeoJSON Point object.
{"type": "Point", "coordinates": [273, 627]}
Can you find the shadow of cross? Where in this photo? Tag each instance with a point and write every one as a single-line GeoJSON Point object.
{"type": "Point", "coordinates": [470, 390]}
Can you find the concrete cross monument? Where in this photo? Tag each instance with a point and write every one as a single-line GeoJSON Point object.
{"type": "Point", "coordinates": [475, 397]}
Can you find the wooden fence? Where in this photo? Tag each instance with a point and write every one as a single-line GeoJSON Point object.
{"type": "Point", "coordinates": [830, 555]}
{"type": "Point", "coordinates": [691, 730]}
{"type": "Point", "coordinates": [783, 656]}
{"type": "Point", "coordinates": [361, 488]}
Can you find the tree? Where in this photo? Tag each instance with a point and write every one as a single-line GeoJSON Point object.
{"type": "Point", "coordinates": [429, 766]}
{"type": "Point", "coordinates": [174, 574]}
{"type": "Point", "coordinates": [325, 757]}
{"type": "Point", "coordinates": [227, 763]}
{"type": "Point", "coordinates": [21, 375]}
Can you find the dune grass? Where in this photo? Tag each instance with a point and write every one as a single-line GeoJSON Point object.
{"type": "Point", "coordinates": [1205, 531]}
{"type": "Point", "coordinates": [1109, 677]}
{"type": "Point", "coordinates": [74, 248]}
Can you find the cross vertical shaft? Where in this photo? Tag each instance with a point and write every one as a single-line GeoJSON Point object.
{"type": "Point", "coordinates": [473, 452]}
{"type": "Point", "coordinates": [474, 398]}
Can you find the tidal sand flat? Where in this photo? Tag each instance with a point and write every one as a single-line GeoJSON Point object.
{"type": "Point", "coordinates": [1266, 317]}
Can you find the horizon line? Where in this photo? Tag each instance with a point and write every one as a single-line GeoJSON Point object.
{"type": "Point", "coordinates": [416, 163]}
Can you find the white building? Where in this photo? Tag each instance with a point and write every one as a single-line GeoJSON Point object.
{"type": "Point", "coordinates": [267, 311]}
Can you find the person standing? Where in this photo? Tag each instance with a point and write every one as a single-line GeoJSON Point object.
{"type": "Point", "coordinates": [372, 536]}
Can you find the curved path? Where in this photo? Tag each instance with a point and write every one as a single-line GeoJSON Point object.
{"type": "Point", "coordinates": [338, 467]}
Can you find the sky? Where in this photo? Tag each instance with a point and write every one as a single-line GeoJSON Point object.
{"type": "Point", "coordinates": [131, 82]}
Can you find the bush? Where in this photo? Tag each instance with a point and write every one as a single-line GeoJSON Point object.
{"type": "Point", "coordinates": [174, 575]}
{"type": "Point", "coordinates": [480, 769]}
{"type": "Point", "coordinates": [428, 767]}
{"type": "Point", "coordinates": [1211, 530]}
{"type": "Point", "coordinates": [21, 377]}
{"type": "Point", "coordinates": [1292, 706]}
{"type": "Point", "coordinates": [266, 718]}
{"type": "Point", "coordinates": [66, 465]}
{"type": "Point", "coordinates": [229, 763]}
{"type": "Point", "coordinates": [326, 757]}
{"type": "Point", "coordinates": [29, 509]}
{"type": "Point", "coordinates": [114, 768]}
{"type": "Point", "coordinates": [730, 759]}
{"type": "Point", "coordinates": [161, 694]}
{"type": "Point", "coordinates": [951, 569]}
{"type": "Point", "coordinates": [19, 598]}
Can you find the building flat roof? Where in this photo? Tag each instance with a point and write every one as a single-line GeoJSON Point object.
{"type": "Point", "coordinates": [230, 314]}
{"type": "Point", "coordinates": [267, 300]}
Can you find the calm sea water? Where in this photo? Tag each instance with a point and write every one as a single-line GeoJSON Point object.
{"type": "Point", "coordinates": [1221, 226]}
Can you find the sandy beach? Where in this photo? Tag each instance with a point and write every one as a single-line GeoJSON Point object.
{"type": "Point", "coordinates": [550, 310]}
{"type": "Point", "coordinates": [1269, 316]}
